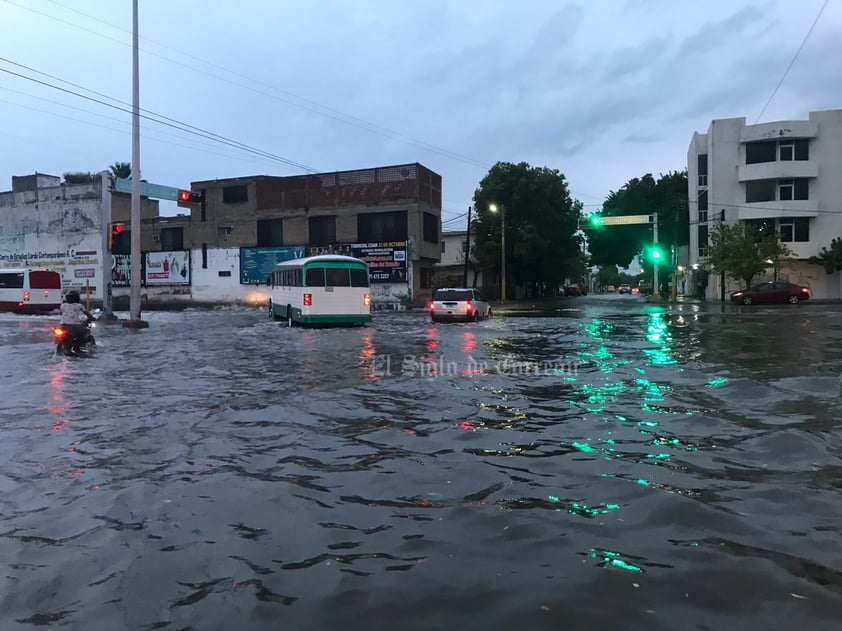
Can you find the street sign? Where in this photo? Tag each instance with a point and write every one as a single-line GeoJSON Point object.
{"type": "Point", "coordinates": [625, 220]}
{"type": "Point", "coordinates": [155, 191]}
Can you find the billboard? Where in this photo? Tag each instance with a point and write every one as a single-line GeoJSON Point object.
{"type": "Point", "coordinates": [167, 268]}
{"type": "Point", "coordinates": [256, 264]}
{"type": "Point", "coordinates": [386, 260]}
{"type": "Point", "coordinates": [121, 270]}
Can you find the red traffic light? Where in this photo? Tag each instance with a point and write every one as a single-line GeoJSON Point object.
{"type": "Point", "coordinates": [117, 228]}
{"type": "Point", "coordinates": [184, 196]}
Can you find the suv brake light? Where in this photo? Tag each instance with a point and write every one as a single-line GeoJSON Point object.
{"type": "Point", "coordinates": [469, 306]}
{"type": "Point", "coordinates": [431, 306]}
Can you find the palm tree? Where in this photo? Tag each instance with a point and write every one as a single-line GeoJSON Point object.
{"type": "Point", "coordinates": [121, 170]}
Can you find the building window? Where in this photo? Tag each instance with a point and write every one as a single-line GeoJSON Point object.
{"type": "Point", "coordinates": [172, 239]}
{"type": "Point", "coordinates": [442, 247]}
{"type": "Point", "coordinates": [223, 232]}
{"type": "Point", "coordinates": [204, 256]}
{"type": "Point", "coordinates": [224, 273]}
{"type": "Point", "coordinates": [703, 240]}
{"type": "Point", "coordinates": [703, 216]}
{"type": "Point", "coordinates": [703, 169]}
{"type": "Point", "coordinates": [794, 230]}
{"type": "Point", "coordinates": [763, 151]}
{"type": "Point", "coordinates": [379, 227]}
{"type": "Point", "coordinates": [235, 194]}
{"type": "Point", "coordinates": [761, 191]}
{"type": "Point", "coordinates": [464, 246]}
{"type": "Point", "coordinates": [322, 230]}
{"type": "Point", "coordinates": [270, 232]}
{"type": "Point", "coordinates": [703, 180]}
{"type": "Point", "coordinates": [703, 200]}
{"type": "Point", "coordinates": [789, 150]}
{"type": "Point", "coordinates": [797, 189]}
{"type": "Point", "coordinates": [426, 278]}
{"type": "Point", "coordinates": [431, 228]}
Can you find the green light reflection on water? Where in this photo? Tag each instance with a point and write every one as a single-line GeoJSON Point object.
{"type": "Point", "coordinates": [718, 381]}
{"type": "Point", "coordinates": [609, 558]}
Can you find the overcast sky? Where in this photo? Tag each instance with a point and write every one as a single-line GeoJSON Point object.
{"type": "Point", "coordinates": [604, 91]}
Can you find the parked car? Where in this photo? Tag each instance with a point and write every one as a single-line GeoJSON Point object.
{"type": "Point", "coordinates": [624, 289]}
{"type": "Point", "coordinates": [777, 292]}
{"type": "Point", "coordinates": [466, 305]}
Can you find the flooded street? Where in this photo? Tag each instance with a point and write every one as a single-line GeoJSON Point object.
{"type": "Point", "coordinates": [616, 465]}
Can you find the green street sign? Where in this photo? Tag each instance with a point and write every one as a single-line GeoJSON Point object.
{"type": "Point", "coordinates": [155, 191]}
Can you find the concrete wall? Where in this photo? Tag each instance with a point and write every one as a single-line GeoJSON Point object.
{"type": "Point", "coordinates": [59, 227]}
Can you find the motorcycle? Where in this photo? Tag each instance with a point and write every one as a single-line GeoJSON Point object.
{"type": "Point", "coordinates": [70, 342]}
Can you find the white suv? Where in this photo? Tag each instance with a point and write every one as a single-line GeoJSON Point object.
{"type": "Point", "coordinates": [465, 305]}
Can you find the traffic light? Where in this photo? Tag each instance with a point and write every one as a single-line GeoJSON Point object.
{"type": "Point", "coordinates": [187, 199]}
{"type": "Point", "coordinates": [596, 220]}
{"type": "Point", "coordinates": [656, 254]}
{"type": "Point", "coordinates": [115, 230]}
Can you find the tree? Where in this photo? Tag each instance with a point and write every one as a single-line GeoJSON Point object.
{"type": "Point", "coordinates": [79, 177]}
{"type": "Point", "coordinates": [541, 222]}
{"type": "Point", "coordinates": [743, 251]}
{"type": "Point", "coordinates": [121, 170]}
{"type": "Point", "coordinates": [618, 245]}
{"type": "Point", "coordinates": [830, 260]}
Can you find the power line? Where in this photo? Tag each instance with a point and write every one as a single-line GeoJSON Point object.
{"type": "Point", "coordinates": [329, 112]}
{"type": "Point", "coordinates": [184, 127]}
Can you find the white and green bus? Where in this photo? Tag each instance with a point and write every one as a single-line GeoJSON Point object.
{"type": "Point", "coordinates": [321, 290]}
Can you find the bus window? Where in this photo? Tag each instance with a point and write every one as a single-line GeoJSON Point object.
{"type": "Point", "coordinates": [338, 277]}
{"type": "Point", "coordinates": [359, 278]}
{"type": "Point", "coordinates": [315, 277]}
{"type": "Point", "coordinates": [42, 279]}
{"type": "Point", "coordinates": [11, 280]}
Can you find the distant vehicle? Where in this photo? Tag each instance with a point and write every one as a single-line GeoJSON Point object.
{"type": "Point", "coordinates": [458, 304]}
{"type": "Point", "coordinates": [573, 290]}
{"type": "Point", "coordinates": [68, 342]}
{"type": "Point", "coordinates": [321, 290]}
{"type": "Point", "coordinates": [644, 287]}
{"type": "Point", "coordinates": [769, 292]}
{"type": "Point", "coordinates": [26, 290]}
{"type": "Point", "coordinates": [624, 289]}
{"type": "Point", "coordinates": [609, 288]}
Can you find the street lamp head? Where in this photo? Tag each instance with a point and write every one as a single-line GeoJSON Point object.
{"type": "Point", "coordinates": [492, 208]}
{"type": "Point", "coordinates": [770, 261]}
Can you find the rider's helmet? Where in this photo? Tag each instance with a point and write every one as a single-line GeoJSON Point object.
{"type": "Point", "coordinates": [73, 296]}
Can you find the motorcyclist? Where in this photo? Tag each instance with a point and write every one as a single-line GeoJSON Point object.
{"type": "Point", "coordinates": [75, 317]}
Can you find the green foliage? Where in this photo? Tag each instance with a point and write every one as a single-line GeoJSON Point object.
{"type": "Point", "coordinates": [541, 223]}
{"type": "Point", "coordinates": [830, 260]}
{"type": "Point", "coordinates": [121, 170]}
{"type": "Point", "coordinates": [446, 280]}
{"type": "Point", "coordinates": [742, 251]}
{"type": "Point", "coordinates": [80, 177]}
{"type": "Point", "coordinates": [618, 245]}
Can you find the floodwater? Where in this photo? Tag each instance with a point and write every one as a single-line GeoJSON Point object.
{"type": "Point", "coordinates": [617, 465]}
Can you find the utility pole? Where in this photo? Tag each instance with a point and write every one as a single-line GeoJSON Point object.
{"type": "Point", "coordinates": [722, 273]}
{"type": "Point", "coordinates": [656, 288]}
{"type": "Point", "coordinates": [134, 305]}
{"type": "Point", "coordinates": [503, 244]}
{"type": "Point", "coordinates": [467, 250]}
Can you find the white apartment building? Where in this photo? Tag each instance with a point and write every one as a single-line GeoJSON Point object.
{"type": "Point", "coordinates": [452, 262]}
{"type": "Point", "coordinates": [785, 176]}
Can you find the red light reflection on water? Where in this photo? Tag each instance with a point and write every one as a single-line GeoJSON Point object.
{"type": "Point", "coordinates": [469, 342]}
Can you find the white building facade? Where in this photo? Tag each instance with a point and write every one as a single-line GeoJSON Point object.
{"type": "Point", "coordinates": [785, 176]}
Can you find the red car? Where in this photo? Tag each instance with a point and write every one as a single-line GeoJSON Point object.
{"type": "Point", "coordinates": [777, 292]}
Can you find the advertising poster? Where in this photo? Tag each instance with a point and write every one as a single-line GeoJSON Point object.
{"type": "Point", "coordinates": [256, 264]}
{"type": "Point", "coordinates": [121, 270]}
{"type": "Point", "coordinates": [78, 268]}
{"type": "Point", "coordinates": [386, 261]}
{"type": "Point", "coordinates": [167, 268]}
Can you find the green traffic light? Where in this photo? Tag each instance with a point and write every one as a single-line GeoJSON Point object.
{"type": "Point", "coordinates": [596, 220]}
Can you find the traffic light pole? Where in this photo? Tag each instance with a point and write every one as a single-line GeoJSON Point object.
{"type": "Point", "coordinates": [656, 288]}
{"type": "Point", "coordinates": [467, 250]}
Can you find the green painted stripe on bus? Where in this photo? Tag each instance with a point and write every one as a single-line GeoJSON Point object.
{"type": "Point", "coordinates": [335, 319]}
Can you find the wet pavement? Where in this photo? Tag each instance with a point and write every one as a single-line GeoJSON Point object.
{"type": "Point", "coordinates": [614, 465]}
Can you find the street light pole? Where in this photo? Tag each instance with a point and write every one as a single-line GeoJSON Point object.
{"type": "Point", "coordinates": [493, 208]}
{"type": "Point", "coordinates": [134, 297]}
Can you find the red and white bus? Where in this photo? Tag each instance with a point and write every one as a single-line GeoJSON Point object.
{"type": "Point", "coordinates": [24, 290]}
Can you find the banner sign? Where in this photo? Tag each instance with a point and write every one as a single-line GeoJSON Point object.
{"type": "Point", "coordinates": [386, 260]}
{"type": "Point", "coordinates": [167, 268]}
{"type": "Point", "coordinates": [256, 264]}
